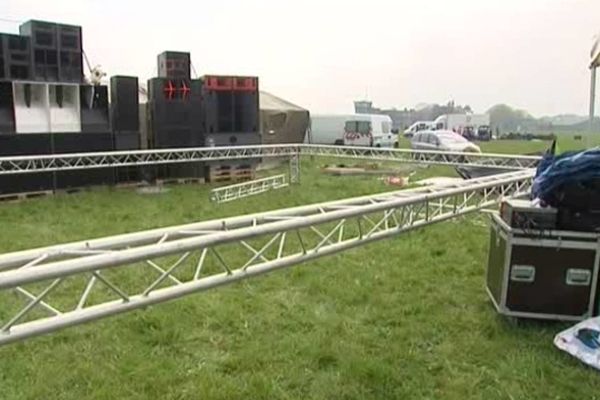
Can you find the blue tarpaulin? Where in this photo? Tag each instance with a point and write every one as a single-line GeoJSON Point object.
{"type": "Point", "coordinates": [555, 172]}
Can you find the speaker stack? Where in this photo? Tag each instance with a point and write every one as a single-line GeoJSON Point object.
{"type": "Point", "coordinates": [231, 110]}
{"type": "Point", "coordinates": [93, 135]}
{"type": "Point", "coordinates": [46, 109]}
{"type": "Point", "coordinates": [175, 112]}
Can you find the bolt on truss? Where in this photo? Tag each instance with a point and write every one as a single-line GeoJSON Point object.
{"type": "Point", "coordinates": [240, 190]}
{"type": "Point", "coordinates": [47, 289]}
{"type": "Point", "coordinates": [78, 161]}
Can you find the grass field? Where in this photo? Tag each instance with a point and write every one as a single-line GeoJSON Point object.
{"type": "Point", "coordinates": [406, 318]}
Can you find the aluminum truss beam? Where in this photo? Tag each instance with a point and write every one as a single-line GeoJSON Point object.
{"type": "Point", "coordinates": [505, 161]}
{"type": "Point", "coordinates": [78, 161]}
{"type": "Point", "coordinates": [47, 289]}
{"type": "Point", "coordinates": [240, 190]}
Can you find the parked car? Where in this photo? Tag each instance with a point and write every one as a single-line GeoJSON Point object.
{"type": "Point", "coordinates": [444, 141]}
{"type": "Point", "coordinates": [418, 126]}
{"type": "Point", "coordinates": [484, 132]}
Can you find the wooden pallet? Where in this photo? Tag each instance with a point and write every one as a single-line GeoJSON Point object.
{"type": "Point", "coordinates": [12, 197]}
{"type": "Point", "coordinates": [15, 197]}
{"type": "Point", "coordinates": [179, 181]}
{"type": "Point", "coordinates": [228, 173]}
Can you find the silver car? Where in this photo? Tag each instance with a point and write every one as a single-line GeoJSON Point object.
{"type": "Point", "coordinates": [442, 140]}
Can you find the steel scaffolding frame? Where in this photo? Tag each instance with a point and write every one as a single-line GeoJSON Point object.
{"type": "Point", "coordinates": [74, 283]}
{"type": "Point", "coordinates": [240, 190]}
{"type": "Point", "coordinates": [77, 161]}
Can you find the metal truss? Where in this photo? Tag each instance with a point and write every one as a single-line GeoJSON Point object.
{"type": "Point", "coordinates": [111, 159]}
{"type": "Point", "coordinates": [505, 161]}
{"type": "Point", "coordinates": [240, 190]}
{"type": "Point", "coordinates": [78, 161]}
{"type": "Point", "coordinates": [295, 168]}
{"type": "Point", "coordinates": [46, 289]}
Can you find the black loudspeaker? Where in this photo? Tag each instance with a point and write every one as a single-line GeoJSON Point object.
{"type": "Point", "coordinates": [175, 121]}
{"type": "Point", "coordinates": [43, 34]}
{"type": "Point", "coordinates": [15, 57]}
{"type": "Point", "coordinates": [217, 92]}
{"type": "Point", "coordinates": [230, 104]}
{"type": "Point", "coordinates": [124, 104]}
{"type": "Point", "coordinates": [44, 49]}
{"type": "Point", "coordinates": [245, 111]}
{"type": "Point", "coordinates": [63, 143]}
{"type": "Point", "coordinates": [29, 144]}
{"type": "Point", "coordinates": [169, 106]}
{"type": "Point", "coordinates": [94, 108]}
{"type": "Point", "coordinates": [174, 65]}
{"type": "Point", "coordinates": [7, 114]}
{"type": "Point", "coordinates": [70, 53]}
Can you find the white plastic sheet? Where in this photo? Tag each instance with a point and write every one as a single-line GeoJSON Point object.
{"type": "Point", "coordinates": [582, 341]}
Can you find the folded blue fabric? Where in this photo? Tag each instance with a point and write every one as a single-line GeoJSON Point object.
{"type": "Point", "coordinates": [572, 167]}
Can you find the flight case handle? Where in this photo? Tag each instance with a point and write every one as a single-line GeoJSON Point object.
{"type": "Point", "coordinates": [578, 277]}
{"type": "Point", "coordinates": [522, 273]}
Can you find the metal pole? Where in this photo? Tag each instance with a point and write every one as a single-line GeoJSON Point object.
{"type": "Point", "coordinates": [592, 96]}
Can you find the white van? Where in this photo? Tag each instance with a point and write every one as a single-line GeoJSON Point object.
{"type": "Point", "coordinates": [418, 126]}
{"type": "Point", "coordinates": [371, 130]}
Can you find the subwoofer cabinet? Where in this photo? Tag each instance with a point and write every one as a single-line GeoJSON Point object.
{"type": "Point", "coordinates": [544, 274]}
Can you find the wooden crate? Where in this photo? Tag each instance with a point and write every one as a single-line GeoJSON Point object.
{"type": "Point", "coordinates": [231, 173]}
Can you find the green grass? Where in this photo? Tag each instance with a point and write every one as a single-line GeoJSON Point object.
{"type": "Point", "coordinates": [406, 318]}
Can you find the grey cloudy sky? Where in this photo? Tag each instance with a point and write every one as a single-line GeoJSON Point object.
{"type": "Point", "coordinates": [321, 54]}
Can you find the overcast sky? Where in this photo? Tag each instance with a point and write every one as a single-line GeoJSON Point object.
{"type": "Point", "coordinates": [532, 54]}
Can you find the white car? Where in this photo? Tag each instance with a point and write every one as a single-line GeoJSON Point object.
{"type": "Point", "coordinates": [444, 141]}
{"type": "Point", "coordinates": [418, 126]}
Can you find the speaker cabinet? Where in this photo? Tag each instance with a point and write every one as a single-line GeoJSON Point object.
{"type": "Point", "coordinates": [174, 65]}
{"type": "Point", "coordinates": [94, 108]}
{"type": "Point", "coordinates": [15, 57]}
{"type": "Point", "coordinates": [31, 107]}
{"type": "Point", "coordinates": [65, 112]}
{"type": "Point", "coordinates": [7, 115]}
{"type": "Point", "coordinates": [124, 104]}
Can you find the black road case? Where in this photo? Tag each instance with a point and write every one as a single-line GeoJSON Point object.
{"type": "Point", "coordinates": [542, 274]}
